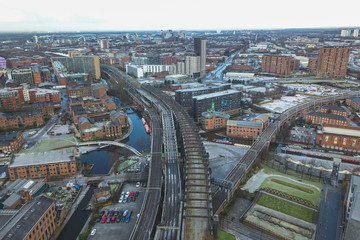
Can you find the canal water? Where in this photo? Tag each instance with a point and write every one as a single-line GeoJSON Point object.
{"type": "Point", "coordinates": [104, 159]}
{"type": "Point", "coordinates": [76, 223]}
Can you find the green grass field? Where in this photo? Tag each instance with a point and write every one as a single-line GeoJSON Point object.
{"type": "Point", "coordinates": [296, 189]}
{"type": "Point", "coordinates": [113, 186]}
{"type": "Point", "coordinates": [286, 207]}
{"type": "Point", "coordinates": [222, 235]}
{"type": "Point", "coordinates": [125, 164]}
{"type": "Point", "coordinates": [268, 170]}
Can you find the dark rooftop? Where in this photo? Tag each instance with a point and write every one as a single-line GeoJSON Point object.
{"type": "Point", "coordinates": [328, 115]}
{"type": "Point", "coordinates": [26, 218]}
{"type": "Point", "coordinates": [7, 137]}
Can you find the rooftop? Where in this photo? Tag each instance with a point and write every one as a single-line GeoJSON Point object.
{"type": "Point", "coordinates": [7, 137]}
{"type": "Point", "coordinates": [198, 89]}
{"type": "Point", "coordinates": [26, 218]}
{"type": "Point", "coordinates": [338, 108]}
{"type": "Point", "coordinates": [329, 115]}
{"type": "Point", "coordinates": [216, 94]}
{"type": "Point", "coordinates": [210, 115]}
{"type": "Point", "coordinates": [345, 131]}
{"type": "Point", "coordinates": [235, 123]}
{"type": "Point", "coordinates": [31, 159]}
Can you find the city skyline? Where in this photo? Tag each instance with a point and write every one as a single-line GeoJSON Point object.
{"type": "Point", "coordinates": [185, 15]}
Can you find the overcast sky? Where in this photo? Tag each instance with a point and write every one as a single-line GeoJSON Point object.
{"type": "Point", "coordinates": [118, 15]}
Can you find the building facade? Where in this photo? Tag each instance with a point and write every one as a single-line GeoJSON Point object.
{"type": "Point", "coordinates": [35, 220]}
{"type": "Point", "coordinates": [44, 164]}
{"type": "Point", "coordinates": [339, 137]}
{"type": "Point", "coordinates": [11, 141]}
{"type": "Point", "coordinates": [321, 118]}
{"type": "Point", "coordinates": [332, 62]}
{"type": "Point", "coordinates": [224, 101]}
{"type": "Point", "coordinates": [214, 120]}
{"type": "Point", "coordinates": [353, 102]}
{"type": "Point", "coordinates": [279, 65]}
{"type": "Point", "coordinates": [243, 129]}
{"type": "Point", "coordinates": [335, 110]}
{"type": "Point", "coordinates": [200, 50]}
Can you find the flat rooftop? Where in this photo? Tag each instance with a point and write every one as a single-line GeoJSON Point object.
{"type": "Point", "coordinates": [198, 89]}
{"type": "Point", "coordinates": [216, 94]}
{"type": "Point", "coordinates": [55, 156]}
{"type": "Point", "coordinates": [351, 131]}
{"type": "Point", "coordinates": [235, 123]}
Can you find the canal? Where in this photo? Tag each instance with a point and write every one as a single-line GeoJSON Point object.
{"type": "Point", "coordinates": [76, 223]}
{"type": "Point", "coordinates": [104, 159]}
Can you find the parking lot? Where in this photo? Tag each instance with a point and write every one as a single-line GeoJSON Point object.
{"type": "Point", "coordinates": [120, 230]}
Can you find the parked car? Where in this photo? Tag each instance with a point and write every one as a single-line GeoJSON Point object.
{"type": "Point", "coordinates": [108, 220]}
{"type": "Point", "coordinates": [118, 218]}
{"type": "Point", "coordinates": [98, 219]}
{"type": "Point", "coordinates": [113, 219]}
{"type": "Point", "coordinates": [137, 193]}
{"type": "Point", "coordinates": [132, 194]}
{"type": "Point", "coordinates": [127, 194]}
{"type": "Point", "coordinates": [104, 219]}
{"type": "Point", "coordinates": [127, 219]}
{"type": "Point", "coordinates": [116, 213]}
{"type": "Point", "coordinates": [125, 213]}
{"type": "Point", "coordinates": [93, 232]}
{"type": "Point", "coordinates": [138, 184]}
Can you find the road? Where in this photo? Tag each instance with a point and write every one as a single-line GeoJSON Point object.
{"type": "Point", "coordinates": [218, 72]}
{"type": "Point", "coordinates": [330, 214]}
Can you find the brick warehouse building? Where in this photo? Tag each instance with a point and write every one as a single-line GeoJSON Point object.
{"type": "Point", "coordinates": [11, 141]}
{"type": "Point", "coordinates": [339, 137]}
{"type": "Point", "coordinates": [336, 110]}
{"type": "Point", "coordinates": [35, 220]}
{"type": "Point", "coordinates": [332, 62]}
{"type": "Point", "coordinates": [353, 102]}
{"type": "Point", "coordinates": [244, 129]}
{"type": "Point", "coordinates": [279, 65]}
{"type": "Point", "coordinates": [44, 164]}
{"type": "Point", "coordinates": [321, 118]}
{"type": "Point", "coordinates": [214, 120]}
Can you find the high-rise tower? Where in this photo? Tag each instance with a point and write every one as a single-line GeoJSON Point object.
{"type": "Point", "coordinates": [200, 50]}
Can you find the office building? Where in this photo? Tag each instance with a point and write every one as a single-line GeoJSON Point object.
{"type": "Point", "coordinates": [353, 102]}
{"type": "Point", "coordinates": [332, 62]}
{"type": "Point", "coordinates": [23, 62]}
{"type": "Point", "coordinates": [22, 75]}
{"type": "Point", "coordinates": [200, 50]}
{"type": "Point", "coordinates": [35, 220]}
{"type": "Point", "coordinates": [185, 96]}
{"type": "Point", "coordinates": [225, 101]}
{"type": "Point", "coordinates": [44, 164]}
{"type": "Point", "coordinates": [81, 64]}
{"type": "Point", "coordinates": [279, 65]}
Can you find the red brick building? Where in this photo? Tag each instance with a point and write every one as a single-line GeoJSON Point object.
{"type": "Point", "coordinates": [214, 120]}
{"type": "Point", "coordinates": [79, 90]}
{"type": "Point", "coordinates": [332, 62]}
{"type": "Point", "coordinates": [121, 116]}
{"type": "Point", "coordinates": [339, 137]}
{"type": "Point", "coordinates": [279, 65]}
{"type": "Point", "coordinates": [336, 110]}
{"type": "Point", "coordinates": [243, 129]}
{"type": "Point", "coordinates": [353, 102]}
{"type": "Point", "coordinates": [321, 118]}
{"type": "Point", "coordinates": [11, 141]}
{"type": "Point", "coordinates": [44, 164]}
{"type": "Point", "coordinates": [21, 119]}
{"type": "Point", "coordinates": [312, 65]}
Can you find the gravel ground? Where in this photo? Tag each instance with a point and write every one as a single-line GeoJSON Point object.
{"type": "Point", "coordinates": [223, 157]}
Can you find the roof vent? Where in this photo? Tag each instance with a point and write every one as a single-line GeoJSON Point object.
{"type": "Point", "coordinates": [18, 226]}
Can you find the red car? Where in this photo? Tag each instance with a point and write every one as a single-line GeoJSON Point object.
{"type": "Point", "coordinates": [131, 194]}
{"type": "Point", "coordinates": [113, 219]}
{"type": "Point", "coordinates": [104, 219]}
